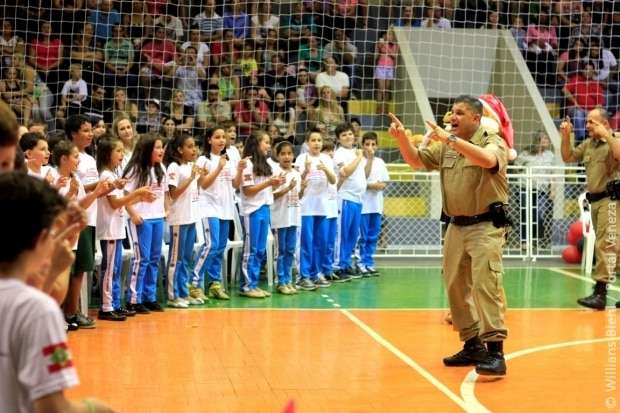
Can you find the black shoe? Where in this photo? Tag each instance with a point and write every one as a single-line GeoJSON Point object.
{"type": "Point", "coordinates": [494, 364]}
{"type": "Point", "coordinates": [473, 353]}
{"type": "Point", "coordinates": [617, 304]}
{"type": "Point", "coordinates": [111, 316]}
{"type": "Point", "coordinates": [138, 308]}
{"type": "Point", "coordinates": [342, 276]}
{"type": "Point", "coordinates": [153, 306]}
{"type": "Point", "coordinates": [71, 326]}
{"type": "Point", "coordinates": [82, 321]}
{"type": "Point", "coordinates": [125, 312]}
{"type": "Point", "coordinates": [598, 299]}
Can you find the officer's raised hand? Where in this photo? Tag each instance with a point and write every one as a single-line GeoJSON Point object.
{"type": "Point", "coordinates": [566, 127]}
{"type": "Point", "coordinates": [397, 130]}
{"type": "Point", "coordinates": [438, 133]}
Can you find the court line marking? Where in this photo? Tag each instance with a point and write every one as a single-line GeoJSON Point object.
{"type": "Point", "coordinates": [581, 277]}
{"type": "Point", "coordinates": [468, 384]}
{"type": "Point", "coordinates": [194, 308]}
{"type": "Point", "coordinates": [408, 361]}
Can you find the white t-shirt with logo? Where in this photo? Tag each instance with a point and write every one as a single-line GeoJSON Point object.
{"type": "Point", "coordinates": [155, 209]}
{"type": "Point", "coordinates": [184, 209]}
{"type": "Point", "coordinates": [218, 200]}
{"type": "Point", "coordinates": [372, 201]}
{"type": "Point", "coordinates": [353, 186]}
{"type": "Point", "coordinates": [314, 202]}
{"type": "Point", "coordinates": [250, 204]}
{"type": "Point", "coordinates": [110, 221]}
{"type": "Point", "coordinates": [285, 211]}
{"type": "Point", "coordinates": [34, 358]}
{"type": "Point", "coordinates": [88, 174]}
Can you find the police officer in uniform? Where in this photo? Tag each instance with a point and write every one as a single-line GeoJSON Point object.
{"type": "Point", "coordinates": [472, 163]}
{"type": "Point", "coordinates": [600, 153]}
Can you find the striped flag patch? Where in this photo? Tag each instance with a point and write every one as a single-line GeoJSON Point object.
{"type": "Point", "coordinates": [58, 357]}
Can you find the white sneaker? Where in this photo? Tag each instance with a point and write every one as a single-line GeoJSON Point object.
{"type": "Point", "coordinates": [178, 303]}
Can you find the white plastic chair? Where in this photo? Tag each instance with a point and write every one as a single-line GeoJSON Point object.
{"type": "Point", "coordinates": [236, 246]}
{"type": "Point", "coordinates": [589, 237]}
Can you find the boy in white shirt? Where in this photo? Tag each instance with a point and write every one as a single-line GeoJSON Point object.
{"type": "Point", "coordinates": [372, 203]}
{"type": "Point", "coordinates": [79, 130]}
{"type": "Point", "coordinates": [35, 362]}
{"type": "Point", "coordinates": [352, 185]}
{"type": "Point", "coordinates": [75, 90]}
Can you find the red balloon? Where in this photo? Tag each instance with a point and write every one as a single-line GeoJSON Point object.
{"type": "Point", "coordinates": [571, 255]}
{"type": "Point", "coordinates": [574, 233]}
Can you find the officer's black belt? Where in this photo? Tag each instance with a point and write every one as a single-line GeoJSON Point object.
{"type": "Point", "coordinates": [591, 197]}
{"type": "Point", "coordinates": [473, 220]}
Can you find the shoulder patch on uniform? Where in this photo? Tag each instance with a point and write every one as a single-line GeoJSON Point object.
{"type": "Point", "coordinates": [58, 357]}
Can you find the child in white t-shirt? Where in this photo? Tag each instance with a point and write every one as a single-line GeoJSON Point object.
{"type": "Point", "coordinates": [37, 156]}
{"type": "Point", "coordinates": [111, 228]}
{"type": "Point", "coordinates": [217, 209]}
{"type": "Point", "coordinates": [147, 222]}
{"type": "Point", "coordinates": [351, 187]}
{"type": "Point", "coordinates": [327, 263]}
{"type": "Point", "coordinates": [316, 170]}
{"type": "Point", "coordinates": [372, 210]}
{"type": "Point", "coordinates": [183, 189]}
{"type": "Point", "coordinates": [256, 196]}
{"type": "Point", "coordinates": [286, 215]}
{"type": "Point", "coordinates": [36, 365]}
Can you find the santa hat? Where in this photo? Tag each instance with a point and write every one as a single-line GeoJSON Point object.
{"type": "Point", "coordinates": [494, 108]}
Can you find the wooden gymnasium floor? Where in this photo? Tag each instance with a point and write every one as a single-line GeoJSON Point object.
{"type": "Point", "coordinates": [373, 345]}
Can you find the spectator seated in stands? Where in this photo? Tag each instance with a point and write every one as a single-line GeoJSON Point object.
{"type": "Point", "coordinates": [343, 51]}
{"type": "Point", "coordinates": [213, 111]}
{"type": "Point", "coordinates": [10, 44]}
{"type": "Point", "coordinates": [209, 22]}
{"type": "Point", "coordinates": [149, 120]}
{"type": "Point", "coordinates": [583, 94]}
{"type": "Point", "coordinates": [278, 78]}
{"type": "Point", "coordinates": [571, 60]}
{"type": "Point", "coordinates": [138, 24]}
{"type": "Point", "coordinates": [237, 20]}
{"type": "Point", "coordinates": [519, 34]}
{"type": "Point", "coordinates": [492, 22]}
{"type": "Point", "coordinates": [311, 55]}
{"type": "Point", "coordinates": [103, 19]}
{"type": "Point", "coordinates": [74, 92]}
{"type": "Point", "coordinates": [180, 113]}
{"type": "Point", "coordinates": [283, 116]}
{"type": "Point", "coordinates": [338, 81]}
{"type": "Point", "coordinates": [188, 77]}
{"type": "Point", "coordinates": [408, 18]}
{"type": "Point", "coordinates": [15, 94]}
{"type": "Point", "coordinates": [251, 113]}
{"type": "Point", "coordinates": [202, 50]}
{"type": "Point", "coordinates": [172, 24]}
{"type": "Point", "coordinates": [263, 21]}
{"type": "Point", "coordinates": [297, 27]}
{"type": "Point", "coordinates": [156, 54]}
{"type": "Point", "coordinates": [119, 58]}
{"type": "Point", "coordinates": [606, 72]}
{"type": "Point", "coordinates": [46, 56]}
{"type": "Point", "coordinates": [435, 20]}
{"type": "Point", "coordinates": [122, 106]}
{"type": "Point", "coordinates": [85, 52]}
{"type": "Point", "coordinates": [542, 44]}
{"type": "Point", "coordinates": [329, 113]}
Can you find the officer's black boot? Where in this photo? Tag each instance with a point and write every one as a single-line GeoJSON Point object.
{"type": "Point", "coordinates": [494, 364]}
{"type": "Point", "coordinates": [473, 352]}
{"type": "Point", "coordinates": [598, 299]}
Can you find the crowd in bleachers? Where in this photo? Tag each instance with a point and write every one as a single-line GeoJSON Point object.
{"type": "Point", "coordinates": [196, 63]}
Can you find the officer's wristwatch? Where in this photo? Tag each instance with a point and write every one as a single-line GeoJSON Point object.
{"type": "Point", "coordinates": [451, 140]}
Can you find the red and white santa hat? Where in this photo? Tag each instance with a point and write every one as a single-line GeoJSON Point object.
{"type": "Point", "coordinates": [495, 109]}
